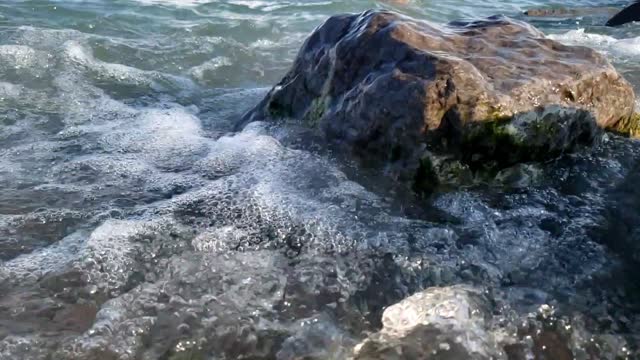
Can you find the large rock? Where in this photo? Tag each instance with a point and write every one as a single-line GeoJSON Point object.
{"type": "Point", "coordinates": [395, 90]}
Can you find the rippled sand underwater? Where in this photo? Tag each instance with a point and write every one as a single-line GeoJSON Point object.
{"type": "Point", "coordinates": [134, 224]}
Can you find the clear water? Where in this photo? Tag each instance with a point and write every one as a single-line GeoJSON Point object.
{"type": "Point", "coordinates": [135, 225]}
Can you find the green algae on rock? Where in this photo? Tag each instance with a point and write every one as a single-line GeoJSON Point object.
{"type": "Point", "coordinates": [536, 135]}
{"type": "Point", "coordinates": [629, 126]}
{"type": "Point", "coordinates": [395, 91]}
{"type": "Point", "coordinates": [316, 110]}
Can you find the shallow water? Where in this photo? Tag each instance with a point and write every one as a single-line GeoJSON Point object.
{"type": "Point", "coordinates": [135, 225]}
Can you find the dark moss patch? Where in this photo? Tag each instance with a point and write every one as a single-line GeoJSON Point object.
{"type": "Point", "coordinates": [534, 136]}
{"type": "Point", "coordinates": [475, 153]}
{"type": "Point", "coordinates": [425, 180]}
{"type": "Point", "coordinates": [277, 110]}
{"type": "Point", "coordinates": [493, 144]}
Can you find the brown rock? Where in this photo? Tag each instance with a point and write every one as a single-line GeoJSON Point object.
{"type": "Point", "coordinates": [394, 89]}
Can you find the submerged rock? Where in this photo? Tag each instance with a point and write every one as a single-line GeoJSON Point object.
{"type": "Point", "coordinates": [438, 323]}
{"type": "Point", "coordinates": [395, 91]}
{"type": "Point", "coordinates": [466, 322]}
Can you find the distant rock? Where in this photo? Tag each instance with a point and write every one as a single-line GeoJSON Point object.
{"type": "Point", "coordinates": [571, 12]}
{"type": "Point", "coordinates": [402, 94]}
{"type": "Point", "coordinates": [629, 14]}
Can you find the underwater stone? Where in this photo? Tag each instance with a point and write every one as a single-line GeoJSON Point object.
{"type": "Point", "coordinates": [437, 323]}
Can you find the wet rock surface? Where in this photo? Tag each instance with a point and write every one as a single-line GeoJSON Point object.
{"type": "Point", "coordinates": [438, 323]}
{"type": "Point", "coordinates": [457, 322]}
{"type": "Point", "coordinates": [392, 90]}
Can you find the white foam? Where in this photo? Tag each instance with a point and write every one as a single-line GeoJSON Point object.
{"type": "Point", "coordinates": [23, 347]}
{"type": "Point", "coordinates": [23, 60]}
{"type": "Point", "coordinates": [106, 168]}
{"type": "Point", "coordinates": [199, 72]}
{"type": "Point", "coordinates": [178, 3]}
{"type": "Point", "coordinates": [49, 39]}
{"type": "Point", "coordinates": [607, 44]}
{"type": "Point", "coordinates": [20, 56]}
{"type": "Point", "coordinates": [31, 267]}
{"type": "Point", "coordinates": [114, 329]}
{"type": "Point", "coordinates": [81, 55]}
{"type": "Point", "coordinates": [115, 248]}
{"type": "Point", "coordinates": [8, 90]}
{"type": "Point", "coordinates": [251, 4]}
{"type": "Point", "coordinates": [107, 254]}
{"type": "Point", "coordinates": [82, 103]}
{"type": "Point", "coordinates": [263, 44]}
{"type": "Point", "coordinates": [280, 189]}
{"type": "Point", "coordinates": [167, 138]}
{"type": "Point", "coordinates": [218, 240]}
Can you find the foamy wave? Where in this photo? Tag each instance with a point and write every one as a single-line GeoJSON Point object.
{"type": "Point", "coordinates": [122, 74]}
{"type": "Point", "coordinates": [199, 72]}
{"type": "Point", "coordinates": [604, 43]}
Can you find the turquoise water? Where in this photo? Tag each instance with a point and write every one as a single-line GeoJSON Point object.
{"type": "Point", "coordinates": [135, 225]}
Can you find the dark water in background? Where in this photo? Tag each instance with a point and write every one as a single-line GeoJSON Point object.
{"type": "Point", "coordinates": [134, 225]}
